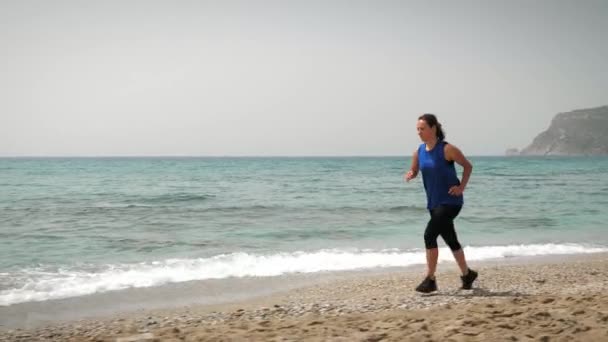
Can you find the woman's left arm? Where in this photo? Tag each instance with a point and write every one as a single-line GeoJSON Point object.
{"type": "Point", "coordinates": [452, 153]}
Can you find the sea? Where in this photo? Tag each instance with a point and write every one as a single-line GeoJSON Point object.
{"type": "Point", "coordinates": [73, 227]}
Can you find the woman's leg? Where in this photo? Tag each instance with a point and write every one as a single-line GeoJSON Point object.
{"type": "Point", "coordinates": [442, 223]}
{"type": "Point", "coordinates": [461, 261]}
{"type": "Point", "coordinates": [451, 239]}
{"type": "Point", "coordinates": [431, 262]}
{"type": "Point", "coordinates": [430, 242]}
{"type": "Point", "coordinates": [432, 253]}
{"type": "Point", "coordinates": [448, 233]}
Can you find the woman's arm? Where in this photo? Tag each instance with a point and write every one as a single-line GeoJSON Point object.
{"type": "Point", "coordinates": [413, 172]}
{"type": "Point", "coordinates": [452, 153]}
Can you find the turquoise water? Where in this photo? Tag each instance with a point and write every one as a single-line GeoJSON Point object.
{"type": "Point", "coordinates": [80, 225]}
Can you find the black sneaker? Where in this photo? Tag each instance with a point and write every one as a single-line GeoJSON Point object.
{"type": "Point", "coordinates": [428, 285]}
{"type": "Point", "coordinates": [468, 279]}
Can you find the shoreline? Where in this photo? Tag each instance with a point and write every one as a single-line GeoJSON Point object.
{"type": "Point", "coordinates": [566, 281]}
{"type": "Point", "coordinates": [215, 293]}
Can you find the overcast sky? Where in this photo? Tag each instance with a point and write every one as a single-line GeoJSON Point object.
{"type": "Point", "coordinates": [292, 77]}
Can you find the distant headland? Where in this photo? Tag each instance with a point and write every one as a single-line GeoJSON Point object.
{"type": "Point", "coordinates": [579, 132]}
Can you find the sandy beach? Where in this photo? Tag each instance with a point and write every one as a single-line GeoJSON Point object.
{"type": "Point", "coordinates": [537, 299]}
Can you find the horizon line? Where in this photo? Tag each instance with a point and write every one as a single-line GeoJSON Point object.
{"type": "Point", "coordinates": [229, 156]}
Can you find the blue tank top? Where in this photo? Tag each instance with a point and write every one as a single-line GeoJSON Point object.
{"type": "Point", "coordinates": [438, 175]}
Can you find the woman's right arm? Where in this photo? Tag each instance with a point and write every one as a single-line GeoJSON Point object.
{"type": "Point", "coordinates": [413, 172]}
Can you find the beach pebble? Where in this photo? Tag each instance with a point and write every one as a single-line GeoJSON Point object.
{"type": "Point", "coordinates": [147, 337]}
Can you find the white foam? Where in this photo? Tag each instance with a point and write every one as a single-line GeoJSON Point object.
{"type": "Point", "coordinates": [65, 283]}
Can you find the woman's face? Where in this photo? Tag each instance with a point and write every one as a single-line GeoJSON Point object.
{"type": "Point", "coordinates": [425, 132]}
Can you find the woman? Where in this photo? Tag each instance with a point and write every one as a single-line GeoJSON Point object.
{"type": "Point", "coordinates": [435, 158]}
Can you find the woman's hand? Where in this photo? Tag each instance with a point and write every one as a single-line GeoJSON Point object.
{"type": "Point", "coordinates": [456, 190]}
{"type": "Point", "coordinates": [410, 175]}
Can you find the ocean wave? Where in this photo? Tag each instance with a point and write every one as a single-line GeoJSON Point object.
{"type": "Point", "coordinates": [38, 285]}
{"type": "Point", "coordinates": [176, 197]}
{"type": "Point", "coordinates": [260, 208]}
{"type": "Point", "coordinates": [401, 208]}
{"type": "Point", "coordinates": [514, 222]}
{"type": "Point", "coordinates": [122, 201]}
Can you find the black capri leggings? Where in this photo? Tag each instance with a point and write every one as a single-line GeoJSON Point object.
{"type": "Point", "coordinates": [442, 223]}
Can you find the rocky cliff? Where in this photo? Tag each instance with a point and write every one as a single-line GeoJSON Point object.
{"type": "Point", "coordinates": [580, 132]}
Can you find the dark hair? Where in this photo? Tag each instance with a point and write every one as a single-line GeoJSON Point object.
{"type": "Point", "coordinates": [431, 120]}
